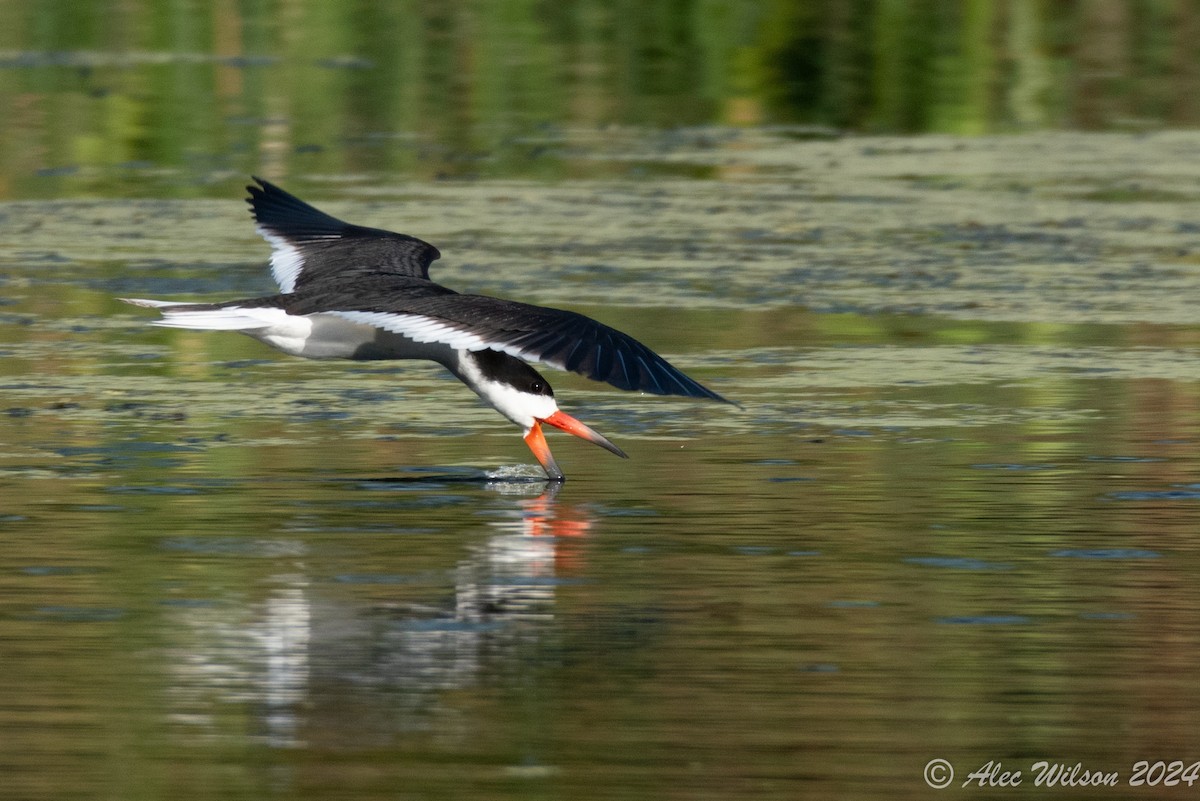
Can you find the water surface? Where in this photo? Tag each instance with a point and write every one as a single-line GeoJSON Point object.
{"type": "Point", "coordinates": [955, 517]}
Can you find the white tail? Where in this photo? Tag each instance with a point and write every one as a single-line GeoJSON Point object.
{"type": "Point", "coordinates": [230, 318]}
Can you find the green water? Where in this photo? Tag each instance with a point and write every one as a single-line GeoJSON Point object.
{"type": "Point", "coordinates": [956, 517]}
{"type": "Point", "coordinates": [169, 97]}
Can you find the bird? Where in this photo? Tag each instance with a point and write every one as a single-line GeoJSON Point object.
{"type": "Point", "coordinates": [351, 292]}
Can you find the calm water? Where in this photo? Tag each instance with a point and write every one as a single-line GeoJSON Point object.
{"type": "Point", "coordinates": [164, 98]}
{"type": "Point", "coordinates": [956, 517]}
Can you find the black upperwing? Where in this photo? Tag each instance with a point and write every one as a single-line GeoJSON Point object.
{"type": "Point", "coordinates": [310, 246]}
{"type": "Point", "coordinates": [562, 339]}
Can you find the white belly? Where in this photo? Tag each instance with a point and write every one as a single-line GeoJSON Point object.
{"type": "Point", "coordinates": [327, 336]}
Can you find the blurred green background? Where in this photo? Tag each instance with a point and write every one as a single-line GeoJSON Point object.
{"type": "Point", "coordinates": [104, 95]}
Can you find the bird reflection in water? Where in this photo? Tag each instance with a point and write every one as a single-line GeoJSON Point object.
{"type": "Point", "coordinates": [315, 662]}
{"type": "Point", "coordinates": [516, 572]}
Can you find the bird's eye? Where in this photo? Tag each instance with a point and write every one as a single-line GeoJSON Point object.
{"type": "Point", "coordinates": [537, 387]}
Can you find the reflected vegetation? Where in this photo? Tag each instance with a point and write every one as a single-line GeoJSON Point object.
{"type": "Point", "coordinates": [118, 97]}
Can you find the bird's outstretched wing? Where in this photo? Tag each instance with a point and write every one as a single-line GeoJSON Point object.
{"type": "Point", "coordinates": [367, 275]}
{"type": "Point", "coordinates": [561, 339]}
{"type": "Point", "coordinates": [310, 246]}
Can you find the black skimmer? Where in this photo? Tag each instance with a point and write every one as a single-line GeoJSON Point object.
{"type": "Point", "coordinates": [350, 292]}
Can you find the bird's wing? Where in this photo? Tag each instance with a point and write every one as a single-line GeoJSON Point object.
{"type": "Point", "coordinates": [308, 245]}
{"type": "Point", "coordinates": [561, 339]}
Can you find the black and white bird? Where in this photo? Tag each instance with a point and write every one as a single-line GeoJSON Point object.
{"type": "Point", "coordinates": [351, 292]}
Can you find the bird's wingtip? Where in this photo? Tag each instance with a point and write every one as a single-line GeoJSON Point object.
{"type": "Point", "coordinates": [705, 392]}
{"type": "Point", "coordinates": [719, 397]}
{"type": "Point", "coordinates": [260, 189]}
{"type": "Point", "coordinates": [256, 189]}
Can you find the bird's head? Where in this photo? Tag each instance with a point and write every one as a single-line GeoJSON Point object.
{"type": "Point", "coordinates": [519, 393]}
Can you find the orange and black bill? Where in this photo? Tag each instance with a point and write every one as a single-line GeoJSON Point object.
{"type": "Point", "coordinates": [536, 441]}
